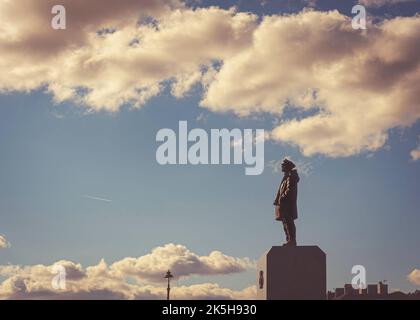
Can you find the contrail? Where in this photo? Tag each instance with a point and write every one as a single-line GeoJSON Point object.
{"type": "Point", "coordinates": [96, 198]}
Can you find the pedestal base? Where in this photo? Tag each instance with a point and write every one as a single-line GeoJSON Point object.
{"type": "Point", "coordinates": [286, 273]}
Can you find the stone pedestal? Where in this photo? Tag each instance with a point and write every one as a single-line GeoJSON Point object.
{"type": "Point", "coordinates": [286, 273]}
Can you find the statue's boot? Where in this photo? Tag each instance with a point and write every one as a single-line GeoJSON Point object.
{"type": "Point", "coordinates": [290, 243]}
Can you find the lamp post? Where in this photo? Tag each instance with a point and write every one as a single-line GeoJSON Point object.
{"type": "Point", "coordinates": [168, 276]}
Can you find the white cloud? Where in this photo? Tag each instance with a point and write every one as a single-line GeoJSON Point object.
{"type": "Point", "coordinates": [130, 278]}
{"type": "Point", "coordinates": [127, 66]}
{"type": "Point", "coordinates": [3, 242]}
{"type": "Point", "coordinates": [182, 263]}
{"type": "Point", "coordinates": [214, 291]}
{"type": "Point", "coordinates": [414, 277]}
{"type": "Point", "coordinates": [356, 85]}
{"type": "Point", "coordinates": [415, 153]}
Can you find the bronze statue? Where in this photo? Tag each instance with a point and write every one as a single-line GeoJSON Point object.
{"type": "Point", "coordinates": [286, 201]}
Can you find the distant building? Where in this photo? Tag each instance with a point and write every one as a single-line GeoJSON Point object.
{"type": "Point", "coordinates": [349, 290]}
{"type": "Point", "coordinates": [382, 288]}
{"type": "Point", "coordinates": [339, 292]}
{"type": "Point", "coordinates": [372, 291]}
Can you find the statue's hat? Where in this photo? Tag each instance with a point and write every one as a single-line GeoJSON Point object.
{"type": "Point", "coordinates": [288, 163]}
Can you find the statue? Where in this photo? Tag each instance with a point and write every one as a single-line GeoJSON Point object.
{"type": "Point", "coordinates": [286, 201]}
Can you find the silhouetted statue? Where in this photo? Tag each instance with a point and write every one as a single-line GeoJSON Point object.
{"type": "Point", "coordinates": [286, 201]}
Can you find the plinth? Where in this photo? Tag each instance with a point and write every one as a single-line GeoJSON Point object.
{"type": "Point", "coordinates": [288, 273]}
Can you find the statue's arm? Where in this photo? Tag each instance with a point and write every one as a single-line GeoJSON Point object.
{"type": "Point", "coordinates": [286, 189]}
{"type": "Point", "coordinates": [291, 187]}
{"type": "Point", "coordinates": [277, 198]}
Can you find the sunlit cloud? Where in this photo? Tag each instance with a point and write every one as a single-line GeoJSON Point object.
{"type": "Point", "coordinates": [356, 85]}
{"type": "Point", "coordinates": [414, 277]}
{"type": "Point", "coordinates": [3, 242]}
{"type": "Point", "coordinates": [415, 154]}
{"type": "Point", "coordinates": [129, 278]}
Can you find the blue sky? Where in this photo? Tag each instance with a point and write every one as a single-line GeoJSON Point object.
{"type": "Point", "coordinates": [360, 209]}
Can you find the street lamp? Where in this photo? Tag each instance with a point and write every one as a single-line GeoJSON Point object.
{"type": "Point", "coordinates": [168, 276]}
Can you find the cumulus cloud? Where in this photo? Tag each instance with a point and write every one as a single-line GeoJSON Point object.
{"type": "Point", "coordinates": [381, 3]}
{"type": "Point", "coordinates": [353, 86]}
{"type": "Point", "coordinates": [214, 291]}
{"type": "Point", "coordinates": [414, 277]}
{"type": "Point", "coordinates": [356, 85]}
{"type": "Point", "coordinates": [415, 153]}
{"type": "Point", "coordinates": [181, 261]}
{"type": "Point", "coordinates": [128, 278]}
{"type": "Point", "coordinates": [3, 242]}
{"type": "Point", "coordinates": [142, 45]}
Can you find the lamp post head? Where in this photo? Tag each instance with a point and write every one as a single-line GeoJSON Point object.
{"type": "Point", "coordinates": [168, 275]}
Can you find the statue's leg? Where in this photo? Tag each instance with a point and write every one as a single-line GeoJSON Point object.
{"type": "Point", "coordinates": [292, 230]}
{"type": "Point", "coordinates": [286, 230]}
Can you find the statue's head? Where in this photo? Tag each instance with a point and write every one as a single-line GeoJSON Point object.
{"type": "Point", "coordinates": [287, 165]}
